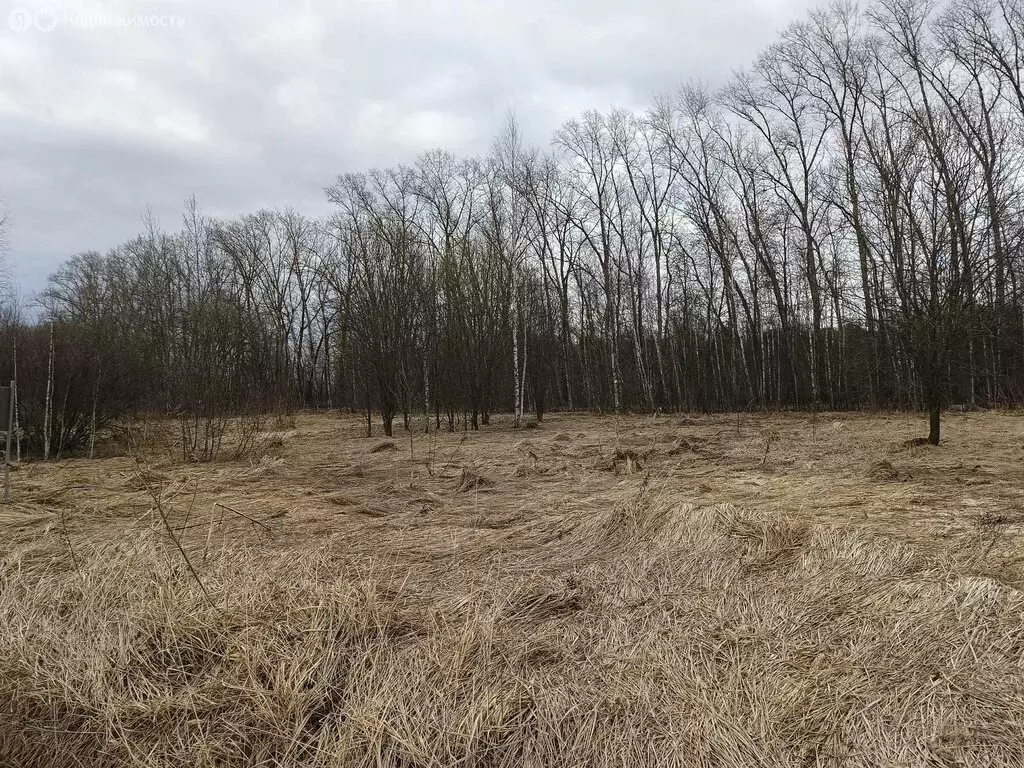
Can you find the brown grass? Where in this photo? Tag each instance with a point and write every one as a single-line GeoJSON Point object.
{"type": "Point", "coordinates": [714, 608]}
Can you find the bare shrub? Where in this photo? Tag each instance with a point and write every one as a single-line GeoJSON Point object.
{"type": "Point", "coordinates": [768, 438]}
{"type": "Point", "coordinates": [201, 436]}
{"type": "Point", "coordinates": [247, 436]}
{"type": "Point", "coordinates": [211, 438]}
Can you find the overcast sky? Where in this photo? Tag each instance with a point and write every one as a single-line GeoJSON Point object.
{"type": "Point", "coordinates": [262, 103]}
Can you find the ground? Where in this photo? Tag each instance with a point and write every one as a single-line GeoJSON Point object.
{"type": "Point", "coordinates": [324, 479]}
{"type": "Point", "coordinates": [736, 589]}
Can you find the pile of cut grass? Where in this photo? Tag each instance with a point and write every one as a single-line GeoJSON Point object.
{"type": "Point", "coordinates": [649, 634]}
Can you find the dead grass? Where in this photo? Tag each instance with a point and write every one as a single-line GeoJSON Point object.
{"type": "Point", "coordinates": [882, 471]}
{"type": "Point", "coordinates": [471, 479]}
{"type": "Point", "coordinates": [488, 600]}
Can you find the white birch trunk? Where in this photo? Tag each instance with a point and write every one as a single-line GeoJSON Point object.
{"type": "Point", "coordinates": [613, 355]}
{"type": "Point", "coordinates": [522, 378]}
{"type": "Point", "coordinates": [814, 364]}
{"type": "Point", "coordinates": [517, 388]}
{"type": "Point", "coordinates": [426, 382]}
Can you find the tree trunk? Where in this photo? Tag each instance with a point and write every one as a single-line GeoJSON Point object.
{"type": "Point", "coordinates": [17, 406]}
{"type": "Point", "coordinates": [92, 421]}
{"type": "Point", "coordinates": [517, 385]}
{"type": "Point", "coordinates": [426, 395]}
{"type": "Point", "coordinates": [933, 425]}
{"type": "Point", "coordinates": [48, 408]}
{"type": "Point", "coordinates": [522, 375]}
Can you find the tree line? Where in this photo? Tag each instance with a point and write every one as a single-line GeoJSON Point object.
{"type": "Point", "coordinates": [839, 227]}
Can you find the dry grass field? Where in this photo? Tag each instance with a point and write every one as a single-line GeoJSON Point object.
{"type": "Point", "coordinates": [752, 590]}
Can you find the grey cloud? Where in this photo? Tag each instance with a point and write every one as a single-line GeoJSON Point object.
{"type": "Point", "coordinates": [251, 104]}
